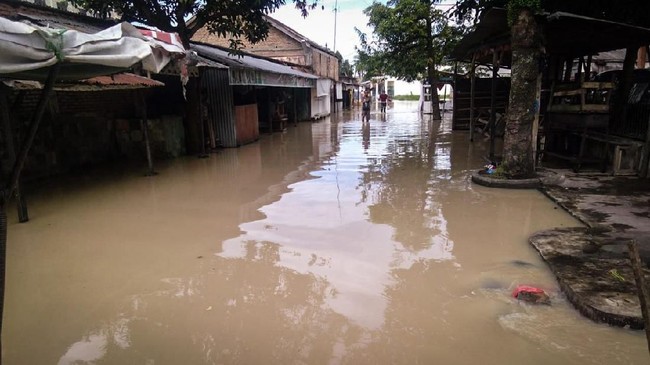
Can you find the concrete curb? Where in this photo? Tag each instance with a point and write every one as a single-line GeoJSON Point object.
{"type": "Point", "coordinates": [491, 182]}
{"type": "Point", "coordinates": [586, 278]}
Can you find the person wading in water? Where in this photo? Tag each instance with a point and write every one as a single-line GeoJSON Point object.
{"type": "Point", "coordinates": [383, 100]}
{"type": "Point", "coordinates": [365, 107]}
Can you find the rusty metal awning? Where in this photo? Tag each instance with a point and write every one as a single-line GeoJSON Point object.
{"type": "Point", "coordinates": [565, 34]}
{"type": "Point", "coordinates": [121, 81]}
{"type": "Point", "coordinates": [248, 69]}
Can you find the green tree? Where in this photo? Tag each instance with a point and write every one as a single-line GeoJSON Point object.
{"type": "Point", "coordinates": [345, 67]}
{"type": "Point", "coordinates": [227, 18]}
{"type": "Point", "coordinates": [409, 40]}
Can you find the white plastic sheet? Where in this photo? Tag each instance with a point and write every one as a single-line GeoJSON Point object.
{"type": "Point", "coordinates": [26, 48]}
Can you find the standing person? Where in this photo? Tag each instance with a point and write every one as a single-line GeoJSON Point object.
{"type": "Point", "coordinates": [365, 107]}
{"type": "Point", "coordinates": [383, 100]}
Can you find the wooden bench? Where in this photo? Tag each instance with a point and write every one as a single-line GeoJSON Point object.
{"type": "Point", "coordinates": [619, 147]}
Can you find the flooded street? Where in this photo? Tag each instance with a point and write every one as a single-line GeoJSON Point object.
{"type": "Point", "coordinates": [336, 242]}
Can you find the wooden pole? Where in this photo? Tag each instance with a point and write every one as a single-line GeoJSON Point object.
{"type": "Point", "coordinates": [588, 68]}
{"type": "Point", "coordinates": [21, 205]}
{"type": "Point", "coordinates": [642, 288]}
{"type": "Point", "coordinates": [472, 92]}
{"type": "Point", "coordinates": [645, 158]}
{"type": "Point", "coordinates": [568, 69]}
{"type": "Point", "coordinates": [7, 192]}
{"type": "Point", "coordinates": [10, 150]}
{"type": "Point", "coordinates": [641, 57]}
{"type": "Point", "coordinates": [493, 102]}
{"type": "Point", "coordinates": [295, 102]}
{"type": "Point", "coordinates": [581, 62]}
{"type": "Point", "coordinates": [145, 131]}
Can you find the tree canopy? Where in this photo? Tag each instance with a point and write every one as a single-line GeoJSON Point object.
{"type": "Point", "coordinates": [227, 18]}
{"type": "Point", "coordinates": [345, 67]}
{"type": "Point", "coordinates": [401, 38]}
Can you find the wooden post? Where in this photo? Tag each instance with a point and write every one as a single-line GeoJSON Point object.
{"type": "Point", "coordinates": [295, 109]}
{"type": "Point", "coordinates": [625, 84]}
{"type": "Point", "coordinates": [642, 57]}
{"type": "Point", "coordinates": [21, 205]}
{"type": "Point", "coordinates": [493, 102]}
{"type": "Point", "coordinates": [568, 69]}
{"type": "Point", "coordinates": [645, 158]}
{"type": "Point", "coordinates": [472, 92]}
{"type": "Point", "coordinates": [10, 150]}
{"type": "Point", "coordinates": [588, 69]}
{"type": "Point", "coordinates": [581, 62]}
{"type": "Point", "coordinates": [145, 132]}
{"type": "Point", "coordinates": [642, 289]}
{"type": "Point", "coordinates": [8, 190]}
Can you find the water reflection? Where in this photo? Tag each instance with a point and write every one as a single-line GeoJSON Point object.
{"type": "Point", "coordinates": [336, 242]}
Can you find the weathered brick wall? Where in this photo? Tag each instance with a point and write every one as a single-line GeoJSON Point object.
{"type": "Point", "coordinates": [277, 45]}
{"type": "Point", "coordinates": [281, 47]}
{"type": "Point", "coordinates": [325, 65]}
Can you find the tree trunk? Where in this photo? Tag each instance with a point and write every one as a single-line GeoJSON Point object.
{"type": "Point", "coordinates": [523, 108]}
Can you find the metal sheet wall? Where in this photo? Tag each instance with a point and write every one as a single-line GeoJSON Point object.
{"type": "Point", "coordinates": [215, 83]}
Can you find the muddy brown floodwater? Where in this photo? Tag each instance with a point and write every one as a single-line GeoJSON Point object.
{"type": "Point", "coordinates": [336, 242]}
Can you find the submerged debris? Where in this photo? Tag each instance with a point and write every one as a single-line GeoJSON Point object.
{"type": "Point", "coordinates": [531, 295]}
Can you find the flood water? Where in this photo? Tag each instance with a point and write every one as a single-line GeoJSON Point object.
{"type": "Point", "coordinates": [335, 242]}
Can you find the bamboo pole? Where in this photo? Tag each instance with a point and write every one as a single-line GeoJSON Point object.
{"type": "Point", "coordinates": [10, 150]}
{"type": "Point", "coordinates": [642, 288]}
{"type": "Point", "coordinates": [493, 102]}
{"type": "Point", "coordinates": [145, 131]}
{"type": "Point", "coordinates": [472, 92]}
{"type": "Point", "coordinates": [7, 192]}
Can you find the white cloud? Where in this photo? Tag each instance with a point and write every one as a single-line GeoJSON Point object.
{"type": "Point", "coordinates": [319, 24]}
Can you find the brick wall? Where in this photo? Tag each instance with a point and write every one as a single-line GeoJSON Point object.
{"type": "Point", "coordinates": [281, 47]}
{"type": "Point", "coordinates": [277, 45]}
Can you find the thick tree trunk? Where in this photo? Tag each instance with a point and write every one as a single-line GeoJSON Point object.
{"type": "Point", "coordinates": [523, 108]}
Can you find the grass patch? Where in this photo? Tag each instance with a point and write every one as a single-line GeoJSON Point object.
{"type": "Point", "coordinates": [407, 97]}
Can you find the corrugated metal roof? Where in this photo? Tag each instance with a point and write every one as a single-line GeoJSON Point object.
{"type": "Point", "coordinates": [247, 61]}
{"type": "Point", "coordinates": [123, 81]}
{"type": "Point", "coordinates": [564, 33]}
{"type": "Point", "coordinates": [46, 16]}
{"type": "Point", "coordinates": [206, 62]}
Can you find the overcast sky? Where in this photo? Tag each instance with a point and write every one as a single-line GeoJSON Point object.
{"type": "Point", "coordinates": [319, 25]}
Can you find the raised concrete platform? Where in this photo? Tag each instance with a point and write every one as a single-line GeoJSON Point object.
{"type": "Point", "coordinates": [543, 177]}
{"type": "Point", "coordinates": [591, 263]}
{"type": "Point", "coordinates": [599, 282]}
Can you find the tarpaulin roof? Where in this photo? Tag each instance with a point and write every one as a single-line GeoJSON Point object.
{"type": "Point", "coordinates": [27, 51]}
{"type": "Point", "coordinates": [246, 62]}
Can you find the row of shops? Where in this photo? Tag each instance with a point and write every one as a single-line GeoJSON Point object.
{"type": "Point", "coordinates": [203, 99]}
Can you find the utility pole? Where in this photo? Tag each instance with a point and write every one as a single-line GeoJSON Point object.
{"type": "Point", "coordinates": [336, 9]}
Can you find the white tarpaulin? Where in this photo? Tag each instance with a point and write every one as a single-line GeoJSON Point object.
{"type": "Point", "coordinates": [26, 51]}
{"type": "Point", "coordinates": [323, 87]}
